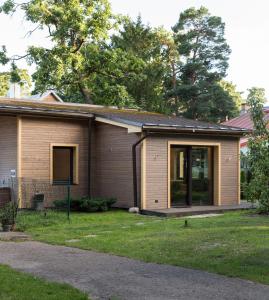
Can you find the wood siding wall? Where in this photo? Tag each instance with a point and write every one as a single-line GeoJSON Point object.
{"type": "Point", "coordinates": [156, 177]}
{"type": "Point", "coordinates": [49, 98]}
{"type": "Point", "coordinates": [8, 145]}
{"type": "Point", "coordinates": [113, 171]}
{"type": "Point", "coordinates": [37, 135]}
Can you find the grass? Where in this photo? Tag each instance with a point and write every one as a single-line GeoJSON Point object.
{"type": "Point", "coordinates": [18, 286]}
{"type": "Point", "coordinates": [235, 244]}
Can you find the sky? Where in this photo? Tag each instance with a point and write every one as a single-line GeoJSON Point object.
{"type": "Point", "coordinates": [247, 32]}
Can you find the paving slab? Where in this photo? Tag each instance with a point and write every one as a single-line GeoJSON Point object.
{"type": "Point", "coordinates": [14, 236]}
{"type": "Point", "coordinates": [105, 276]}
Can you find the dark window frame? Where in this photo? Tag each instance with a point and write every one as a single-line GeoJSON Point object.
{"type": "Point", "coordinates": [71, 177]}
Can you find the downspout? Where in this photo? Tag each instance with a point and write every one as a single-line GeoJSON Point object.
{"type": "Point", "coordinates": [135, 168]}
{"type": "Point", "coordinates": [90, 126]}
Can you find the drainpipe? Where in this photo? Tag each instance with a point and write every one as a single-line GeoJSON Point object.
{"type": "Point", "coordinates": [90, 127]}
{"type": "Point", "coordinates": [135, 169]}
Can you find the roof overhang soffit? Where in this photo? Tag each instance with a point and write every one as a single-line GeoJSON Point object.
{"type": "Point", "coordinates": [130, 128]}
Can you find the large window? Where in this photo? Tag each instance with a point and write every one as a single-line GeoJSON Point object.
{"type": "Point", "coordinates": [64, 164]}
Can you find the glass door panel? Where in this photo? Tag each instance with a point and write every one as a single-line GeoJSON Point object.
{"type": "Point", "coordinates": [202, 175]}
{"type": "Point", "coordinates": [178, 176]}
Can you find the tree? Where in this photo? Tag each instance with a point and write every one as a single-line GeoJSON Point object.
{"type": "Point", "coordinates": [151, 50]}
{"type": "Point", "coordinates": [204, 60]}
{"type": "Point", "coordinates": [136, 66]}
{"type": "Point", "coordinates": [4, 83]}
{"type": "Point", "coordinates": [258, 152]}
{"type": "Point", "coordinates": [74, 27]}
{"type": "Point", "coordinates": [20, 76]}
{"type": "Point", "coordinates": [231, 89]}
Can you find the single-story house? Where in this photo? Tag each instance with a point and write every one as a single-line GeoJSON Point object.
{"type": "Point", "coordinates": [141, 158]}
{"type": "Point", "coordinates": [244, 121]}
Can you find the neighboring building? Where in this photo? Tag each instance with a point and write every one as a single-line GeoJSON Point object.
{"type": "Point", "coordinates": [15, 92]}
{"type": "Point", "coordinates": [244, 121]}
{"type": "Point", "coordinates": [48, 96]}
{"type": "Point", "coordinates": [143, 159]}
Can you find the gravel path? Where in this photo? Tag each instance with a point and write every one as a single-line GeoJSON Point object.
{"type": "Point", "coordinates": [106, 276]}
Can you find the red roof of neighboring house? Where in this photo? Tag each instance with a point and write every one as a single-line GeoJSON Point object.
{"type": "Point", "coordinates": [244, 121]}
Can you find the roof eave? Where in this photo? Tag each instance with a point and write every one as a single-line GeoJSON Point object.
{"type": "Point", "coordinates": [40, 112]}
{"type": "Point", "coordinates": [178, 129]}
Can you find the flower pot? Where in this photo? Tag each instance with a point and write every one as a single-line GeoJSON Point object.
{"type": "Point", "coordinates": [7, 227]}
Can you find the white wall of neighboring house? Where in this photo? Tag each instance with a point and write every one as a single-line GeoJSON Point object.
{"type": "Point", "coordinates": [14, 91]}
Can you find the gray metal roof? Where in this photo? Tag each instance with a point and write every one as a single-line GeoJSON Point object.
{"type": "Point", "coordinates": [143, 119]}
{"type": "Point", "coordinates": [150, 120]}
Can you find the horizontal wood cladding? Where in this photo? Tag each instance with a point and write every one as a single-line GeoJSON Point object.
{"type": "Point", "coordinates": [112, 156]}
{"type": "Point", "coordinates": [50, 98]}
{"type": "Point", "coordinates": [8, 145]}
{"type": "Point", "coordinates": [37, 136]}
{"type": "Point", "coordinates": [5, 196]}
{"type": "Point", "coordinates": [156, 177]}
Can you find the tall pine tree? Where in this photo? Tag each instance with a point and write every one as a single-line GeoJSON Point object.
{"type": "Point", "coordinates": [204, 57]}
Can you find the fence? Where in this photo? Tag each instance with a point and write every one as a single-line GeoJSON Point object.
{"type": "Point", "coordinates": [25, 190]}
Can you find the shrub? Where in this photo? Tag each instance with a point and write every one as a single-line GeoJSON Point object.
{"type": "Point", "coordinates": [87, 204]}
{"type": "Point", "coordinates": [8, 213]}
{"type": "Point", "coordinates": [62, 204]}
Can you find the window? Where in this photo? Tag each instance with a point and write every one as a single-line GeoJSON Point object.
{"type": "Point", "coordinates": [64, 164]}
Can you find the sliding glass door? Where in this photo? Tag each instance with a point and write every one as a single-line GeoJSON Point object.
{"type": "Point", "coordinates": [178, 176]}
{"type": "Point", "coordinates": [202, 175]}
{"type": "Point", "coordinates": [191, 175]}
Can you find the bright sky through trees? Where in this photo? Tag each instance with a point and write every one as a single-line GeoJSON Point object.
{"type": "Point", "coordinates": [247, 27]}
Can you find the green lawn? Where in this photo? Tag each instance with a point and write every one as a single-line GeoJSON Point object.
{"type": "Point", "coordinates": [18, 286]}
{"type": "Point", "coordinates": [235, 244]}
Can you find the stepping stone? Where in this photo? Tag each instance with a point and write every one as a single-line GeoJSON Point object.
{"type": "Point", "coordinates": [203, 216]}
{"type": "Point", "coordinates": [73, 241]}
{"type": "Point", "coordinates": [14, 236]}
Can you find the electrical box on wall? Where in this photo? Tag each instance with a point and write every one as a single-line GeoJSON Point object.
{"type": "Point", "coordinates": [13, 173]}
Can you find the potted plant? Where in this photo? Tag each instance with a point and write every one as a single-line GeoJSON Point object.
{"type": "Point", "coordinates": [8, 216]}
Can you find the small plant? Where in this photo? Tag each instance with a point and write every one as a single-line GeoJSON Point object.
{"type": "Point", "coordinates": [8, 215]}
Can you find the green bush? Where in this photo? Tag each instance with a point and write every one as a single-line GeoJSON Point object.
{"type": "Point", "coordinates": [8, 213]}
{"type": "Point", "coordinates": [62, 204]}
{"type": "Point", "coordinates": [87, 204]}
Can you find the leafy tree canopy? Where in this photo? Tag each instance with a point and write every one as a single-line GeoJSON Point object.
{"type": "Point", "coordinates": [98, 57]}
{"type": "Point", "coordinates": [151, 50]}
{"type": "Point", "coordinates": [20, 76]}
{"type": "Point", "coordinates": [73, 27]}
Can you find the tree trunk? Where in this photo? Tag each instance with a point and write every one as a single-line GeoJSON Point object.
{"type": "Point", "coordinates": [174, 85]}
{"type": "Point", "coordinates": [85, 93]}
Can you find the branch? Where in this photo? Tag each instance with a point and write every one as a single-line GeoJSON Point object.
{"type": "Point", "coordinates": [19, 57]}
{"type": "Point", "coordinates": [17, 6]}
{"type": "Point", "coordinates": [78, 46]}
{"type": "Point", "coordinates": [32, 31]}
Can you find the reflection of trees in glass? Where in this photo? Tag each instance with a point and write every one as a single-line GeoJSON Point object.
{"type": "Point", "coordinates": [199, 163]}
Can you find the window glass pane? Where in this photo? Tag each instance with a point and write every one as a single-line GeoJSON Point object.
{"type": "Point", "coordinates": [178, 181]}
{"type": "Point", "coordinates": [62, 165]}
